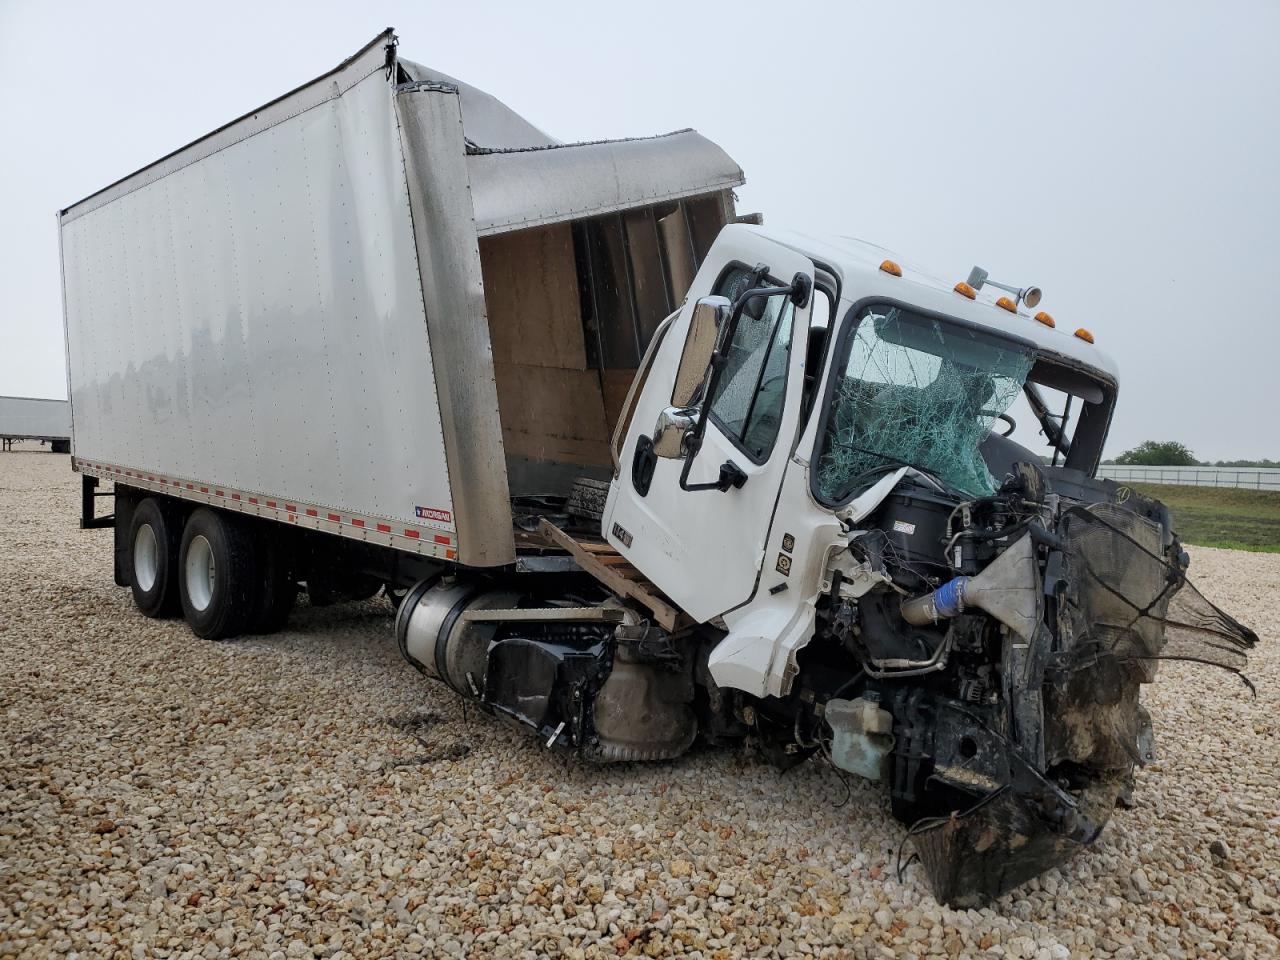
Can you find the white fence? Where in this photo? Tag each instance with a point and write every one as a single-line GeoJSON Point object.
{"type": "Point", "coordinates": [1250, 478]}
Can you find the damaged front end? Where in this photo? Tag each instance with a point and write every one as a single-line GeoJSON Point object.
{"type": "Point", "coordinates": [1000, 673]}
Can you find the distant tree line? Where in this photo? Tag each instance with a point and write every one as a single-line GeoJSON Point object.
{"type": "Point", "coordinates": [1158, 453]}
{"type": "Point", "coordinates": [1171, 453]}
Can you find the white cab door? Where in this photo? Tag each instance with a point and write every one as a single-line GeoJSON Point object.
{"type": "Point", "coordinates": [705, 548]}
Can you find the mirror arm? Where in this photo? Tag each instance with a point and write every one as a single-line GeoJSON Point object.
{"type": "Point", "coordinates": [693, 442]}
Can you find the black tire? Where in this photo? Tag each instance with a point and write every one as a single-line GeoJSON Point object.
{"type": "Point", "coordinates": [395, 595]}
{"type": "Point", "coordinates": [279, 589]}
{"type": "Point", "coordinates": [154, 539]}
{"type": "Point", "coordinates": [219, 576]}
{"type": "Point", "coordinates": [361, 586]}
{"type": "Point", "coordinates": [324, 589]}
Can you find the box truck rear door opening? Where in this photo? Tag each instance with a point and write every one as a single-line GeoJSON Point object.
{"type": "Point", "coordinates": [572, 308]}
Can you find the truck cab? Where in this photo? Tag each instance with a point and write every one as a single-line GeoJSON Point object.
{"type": "Point", "coordinates": [816, 466]}
{"type": "Point", "coordinates": [881, 370]}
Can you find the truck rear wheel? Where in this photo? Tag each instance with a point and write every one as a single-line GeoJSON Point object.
{"type": "Point", "coordinates": [219, 575]}
{"type": "Point", "coordinates": [153, 559]}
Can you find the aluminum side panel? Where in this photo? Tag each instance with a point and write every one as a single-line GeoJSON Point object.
{"type": "Point", "coordinates": [255, 318]}
{"type": "Point", "coordinates": [448, 262]}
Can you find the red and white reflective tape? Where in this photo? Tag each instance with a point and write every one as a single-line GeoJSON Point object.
{"type": "Point", "coordinates": [412, 538]}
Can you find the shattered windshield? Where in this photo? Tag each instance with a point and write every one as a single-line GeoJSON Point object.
{"type": "Point", "coordinates": [916, 390]}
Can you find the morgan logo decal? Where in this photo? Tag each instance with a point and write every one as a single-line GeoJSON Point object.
{"type": "Point", "coordinates": [784, 565]}
{"type": "Point", "coordinates": [788, 543]}
{"type": "Point", "coordinates": [431, 513]}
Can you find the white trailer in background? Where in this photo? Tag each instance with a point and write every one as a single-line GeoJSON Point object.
{"type": "Point", "coordinates": [34, 418]}
{"type": "Point", "coordinates": [632, 472]}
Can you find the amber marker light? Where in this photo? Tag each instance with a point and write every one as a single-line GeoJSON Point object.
{"type": "Point", "coordinates": [1004, 303]}
{"type": "Point", "coordinates": [1084, 335]}
{"type": "Point", "coordinates": [891, 268]}
{"type": "Point", "coordinates": [1044, 318]}
{"type": "Point", "coordinates": [965, 290]}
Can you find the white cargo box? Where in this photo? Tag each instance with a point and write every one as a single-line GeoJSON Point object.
{"type": "Point", "coordinates": [287, 317]}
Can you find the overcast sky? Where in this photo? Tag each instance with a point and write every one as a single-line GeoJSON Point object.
{"type": "Point", "coordinates": [1124, 157]}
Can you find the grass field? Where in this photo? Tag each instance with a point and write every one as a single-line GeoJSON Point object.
{"type": "Point", "coordinates": [1221, 516]}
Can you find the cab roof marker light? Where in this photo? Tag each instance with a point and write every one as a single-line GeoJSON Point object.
{"type": "Point", "coordinates": [1004, 303]}
{"type": "Point", "coordinates": [965, 290]}
{"type": "Point", "coordinates": [1084, 335]}
{"type": "Point", "coordinates": [891, 268]}
{"type": "Point", "coordinates": [1044, 318]}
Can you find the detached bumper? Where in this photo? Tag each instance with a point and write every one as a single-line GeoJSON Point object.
{"type": "Point", "coordinates": [971, 858]}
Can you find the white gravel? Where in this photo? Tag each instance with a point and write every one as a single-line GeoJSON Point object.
{"type": "Point", "coordinates": [164, 796]}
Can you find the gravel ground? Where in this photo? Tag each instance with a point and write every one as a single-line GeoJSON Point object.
{"type": "Point", "coordinates": [307, 794]}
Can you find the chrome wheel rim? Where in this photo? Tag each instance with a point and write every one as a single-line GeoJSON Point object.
{"type": "Point", "coordinates": [146, 558]}
{"type": "Point", "coordinates": [200, 572]}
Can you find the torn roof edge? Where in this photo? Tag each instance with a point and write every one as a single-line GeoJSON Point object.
{"type": "Point", "coordinates": [476, 150]}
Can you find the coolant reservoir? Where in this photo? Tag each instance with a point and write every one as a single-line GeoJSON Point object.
{"type": "Point", "coordinates": [862, 736]}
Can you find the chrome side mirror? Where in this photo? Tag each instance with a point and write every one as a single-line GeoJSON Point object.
{"type": "Point", "coordinates": [674, 423]}
{"type": "Point", "coordinates": [710, 315]}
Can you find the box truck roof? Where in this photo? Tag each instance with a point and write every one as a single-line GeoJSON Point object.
{"type": "Point", "coordinates": [520, 176]}
{"type": "Point", "coordinates": [487, 122]}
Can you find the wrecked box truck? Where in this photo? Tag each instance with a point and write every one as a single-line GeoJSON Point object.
{"type": "Point", "coordinates": [634, 473]}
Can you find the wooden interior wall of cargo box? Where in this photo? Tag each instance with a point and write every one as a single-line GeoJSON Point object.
{"type": "Point", "coordinates": [572, 307]}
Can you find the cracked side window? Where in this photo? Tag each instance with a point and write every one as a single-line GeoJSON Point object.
{"type": "Point", "coordinates": [752, 389]}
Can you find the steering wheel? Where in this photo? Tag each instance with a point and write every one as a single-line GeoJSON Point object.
{"type": "Point", "coordinates": [1013, 424]}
